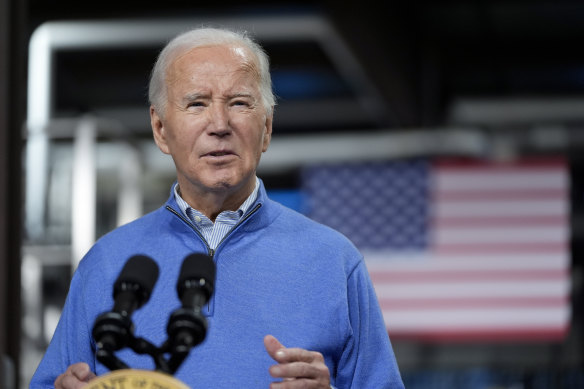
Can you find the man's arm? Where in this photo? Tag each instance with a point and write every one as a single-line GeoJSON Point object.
{"type": "Point", "coordinates": [71, 342]}
{"type": "Point", "coordinates": [367, 360]}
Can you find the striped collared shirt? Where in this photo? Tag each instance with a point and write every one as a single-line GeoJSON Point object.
{"type": "Point", "coordinates": [225, 221]}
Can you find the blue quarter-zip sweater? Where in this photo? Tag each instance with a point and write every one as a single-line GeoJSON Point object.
{"type": "Point", "coordinates": [278, 273]}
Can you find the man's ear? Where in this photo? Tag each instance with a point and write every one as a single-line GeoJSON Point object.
{"type": "Point", "coordinates": [158, 131]}
{"type": "Point", "coordinates": [268, 131]}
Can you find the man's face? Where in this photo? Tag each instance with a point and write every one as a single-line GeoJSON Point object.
{"type": "Point", "coordinates": [215, 125]}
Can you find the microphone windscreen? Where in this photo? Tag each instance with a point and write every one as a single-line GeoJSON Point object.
{"type": "Point", "coordinates": [141, 271]}
{"type": "Point", "coordinates": [199, 268]}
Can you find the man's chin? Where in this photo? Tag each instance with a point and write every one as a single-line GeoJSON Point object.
{"type": "Point", "coordinates": [222, 184]}
{"type": "Point", "coordinates": [230, 184]}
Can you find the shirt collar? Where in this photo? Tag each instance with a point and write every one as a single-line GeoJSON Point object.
{"type": "Point", "coordinates": [243, 208]}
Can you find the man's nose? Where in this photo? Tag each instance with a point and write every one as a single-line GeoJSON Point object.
{"type": "Point", "coordinates": [220, 125]}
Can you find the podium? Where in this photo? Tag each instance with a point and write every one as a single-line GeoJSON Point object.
{"type": "Point", "coordinates": [135, 379]}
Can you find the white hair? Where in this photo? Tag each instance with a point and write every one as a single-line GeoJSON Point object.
{"type": "Point", "coordinates": [207, 37]}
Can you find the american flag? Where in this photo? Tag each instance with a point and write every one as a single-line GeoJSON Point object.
{"type": "Point", "coordinates": [456, 250]}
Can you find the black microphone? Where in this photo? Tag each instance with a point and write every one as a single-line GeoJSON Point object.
{"type": "Point", "coordinates": [134, 285]}
{"type": "Point", "coordinates": [113, 330]}
{"type": "Point", "coordinates": [187, 327]}
{"type": "Point", "coordinates": [196, 281]}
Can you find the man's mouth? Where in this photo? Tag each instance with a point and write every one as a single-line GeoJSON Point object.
{"type": "Point", "coordinates": [218, 153]}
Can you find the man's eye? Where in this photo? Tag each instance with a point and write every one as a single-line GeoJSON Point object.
{"type": "Point", "coordinates": [241, 103]}
{"type": "Point", "coordinates": [196, 104]}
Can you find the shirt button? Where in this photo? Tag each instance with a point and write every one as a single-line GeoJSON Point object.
{"type": "Point", "coordinates": [198, 219]}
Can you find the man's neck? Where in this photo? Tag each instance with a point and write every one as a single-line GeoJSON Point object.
{"type": "Point", "coordinates": [212, 202]}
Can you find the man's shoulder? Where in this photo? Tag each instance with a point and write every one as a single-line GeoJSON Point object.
{"type": "Point", "coordinates": [134, 232]}
{"type": "Point", "coordinates": [296, 222]}
{"type": "Point", "coordinates": [140, 236]}
{"type": "Point", "coordinates": [295, 218]}
{"type": "Point", "coordinates": [144, 222]}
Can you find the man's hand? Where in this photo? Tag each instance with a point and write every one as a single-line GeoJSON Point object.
{"type": "Point", "coordinates": [297, 367]}
{"type": "Point", "coordinates": [76, 376]}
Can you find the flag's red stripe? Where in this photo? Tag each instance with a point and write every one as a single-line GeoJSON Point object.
{"type": "Point", "coordinates": [501, 248]}
{"type": "Point", "coordinates": [502, 221]}
{"type": "Point", "coordinates": [552, 333]}
{"type": "Point", "coordinates": [499, 194]}
{"type": "Point", "coordinates": [397, 276]}
{"type": "Point", "coordinates": [525, 164]}
{"type": "Point", "coordinates": [389, 304]}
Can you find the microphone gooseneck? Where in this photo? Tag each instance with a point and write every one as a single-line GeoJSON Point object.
{"type": "Point", "coordinates": [114, 330]}
{"type": "Point", "coordinates": [187, 326]}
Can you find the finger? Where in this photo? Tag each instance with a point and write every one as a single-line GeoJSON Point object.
{"type": "Point", "coordinates": [299, 355]}
{"type": "Point", "coordinates": [70, 382]}
{"type": "Point", "coordinates": [82, 371]}
{"type": "Point", "coordinates": [297, 384]}
{"type": "Point", "coordinates": [274, 348]}
{"type": "Point", "coordinates": [298, 370]}
{"type": "Point", "coordinates": [76, 376]}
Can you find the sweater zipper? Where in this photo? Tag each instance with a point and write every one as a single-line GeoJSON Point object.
{"type": "Point", "coordinates": [210, 251]}
{"type": "Point", "coordinates": [243, 219]}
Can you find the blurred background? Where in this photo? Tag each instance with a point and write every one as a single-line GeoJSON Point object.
{"type": "Point", "coordinates": [456, 125]}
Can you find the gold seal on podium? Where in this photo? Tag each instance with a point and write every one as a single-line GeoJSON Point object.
{"type": "Point", "coordinates": [136, 379]}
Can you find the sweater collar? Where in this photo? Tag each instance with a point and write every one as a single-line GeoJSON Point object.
{"type": "Point", "coordinates": [261, 216]}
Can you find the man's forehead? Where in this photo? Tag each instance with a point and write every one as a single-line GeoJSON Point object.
{"type": "Point", "coordinates": [228, 53]}
{"type": "Point", "coordinates": [206, 65]}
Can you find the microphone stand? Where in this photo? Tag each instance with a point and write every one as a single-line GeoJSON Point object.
{"type": "Point", "coordinates": [114, 331]}
{"type": "Point", "coordinates": [186, 328]}
{"type": "Point", "coordinates": [105, 355]}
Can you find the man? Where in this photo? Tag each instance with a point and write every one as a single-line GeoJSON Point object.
{"type": "Point", "coordinates": [299, 286]}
